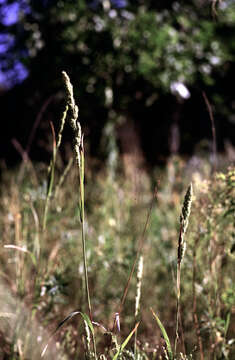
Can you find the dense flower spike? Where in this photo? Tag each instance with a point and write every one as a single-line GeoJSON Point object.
{"type": "Point", "coordinates": [186, 207]}
{"type": "Point", "coordinates": [184, 222]}
{"type": "Point", "coordinates": [73, 118]}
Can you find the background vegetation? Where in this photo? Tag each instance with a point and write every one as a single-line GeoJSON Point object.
{"type": "Point", "coordinates": [38, 293]}
{"type": "Point", "coordinates": [126, 59]}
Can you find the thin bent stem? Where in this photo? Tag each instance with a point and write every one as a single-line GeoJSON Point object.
{"type": "Point", "coordinates": [135, 345]}
{"type": "Point", "coordinates": [212, 129]}
{"type": "Point", "coordinates": [82, 215]}
{"type": "Point", "coordinates": [51, 169]}
{"type": "Point", "coordinates": [82, 218]}
{"type": "Point", "coordinates": [177, 307]}
{"type": "Point", "coordinates": [195, 317]}
{"type": "Point", "coordinates": [63, 176]}
{"type": "Point", "coordinates": [137, 298]}
{"type": "Point", "coordinates": [139, 249]}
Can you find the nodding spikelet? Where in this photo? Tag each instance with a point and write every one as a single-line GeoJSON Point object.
{"type": "Point", "coordinates": [184, 217]}
{"type": "Point", "coordinates": [73, 118]}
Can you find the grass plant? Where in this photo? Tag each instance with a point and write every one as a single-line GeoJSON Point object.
{"type": "Point", "coordinates": [79, 153]}
{"type": "Point", "coordinates": [184, 218]}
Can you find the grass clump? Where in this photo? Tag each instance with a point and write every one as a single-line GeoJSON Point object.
{"type": "Point", "coordinates": [45, 269]}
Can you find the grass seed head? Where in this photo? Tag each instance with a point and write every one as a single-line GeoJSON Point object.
{"type": "Point", "coordinates": [73, 108]}
{"type": "Point", "coordinates": [184, 217]}
{"type": "Point", "coordinates": [186, 208]}
{"type": "Point", "coordinates": [73, 118]}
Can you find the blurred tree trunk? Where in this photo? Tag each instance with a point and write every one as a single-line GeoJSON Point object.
{"type": "Point", "coordinates": [131, 152]}
{"type": "Point", "coordinates": [174, 136]}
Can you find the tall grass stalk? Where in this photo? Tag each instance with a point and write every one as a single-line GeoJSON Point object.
{"type": "Point", "coordinates": [195, 317]}
{"type": "Point", "coordinates": [36, 247]}
{"type": "Point", "coordinates": [138, 295]}
{"type": "Point", "coordinates": [51, 169]}
{"type": "Point", "coordinates": [79, 153]}
{"type": "Point", "coordinates": [63, 176]}
{"type": "Point", "coordinates": [184, 217]}
{"type": "Point", "coordinates": [138, 252]}
{"type": "Point", "coordinates": [214, 147]}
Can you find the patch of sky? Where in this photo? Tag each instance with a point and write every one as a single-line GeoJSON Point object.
{"type": "Point", "coordinates": [16, 72]}
{"type": "Point", "coordinates": [6, 41]}
{"type": "Point", "coordinates": [118, 4]}
{"type": "Point", "coordinates": [178, 88]}
{"type": "Point", "coordinates": [13, 76]}
{"type": "Point", "coordinates": [9, 14]}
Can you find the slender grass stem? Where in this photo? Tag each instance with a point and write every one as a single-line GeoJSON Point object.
{"type": "Point", "coordinates": [82, 218]}
{"type": "Point", "coordinates": [139, 249]}
{"type": "Point", "coordinates": [63, 176]}
{"type": "Point", "coordinates": [195, 317]}
{"type": "Point", "coordinates": [177, 307]}
{"type": "Point", "coordinates": [137, 298]}
{"type": "Point", "coordinates": [51, 181]}
{"type": "Point", "coordinates": [51, 169]}
{"type": "Point", "coordinates": [214, 146]}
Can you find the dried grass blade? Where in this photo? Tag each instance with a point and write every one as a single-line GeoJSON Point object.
{"type": "Point", "coordinates": [22, 249]}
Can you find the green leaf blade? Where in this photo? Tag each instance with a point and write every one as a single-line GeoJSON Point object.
{"type": "Point", "coordinates": [164, 333]}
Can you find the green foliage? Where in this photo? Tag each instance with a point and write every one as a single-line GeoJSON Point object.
{"type": "Point", "coordinates": [164, 333]}
{"type": "Point", "coordinates": [142, 48]}
{"type": "Point", "coordinates": [160, 45]}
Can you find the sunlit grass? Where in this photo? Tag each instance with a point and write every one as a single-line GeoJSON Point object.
{"type": "Point", "coordinates": [42, 264]}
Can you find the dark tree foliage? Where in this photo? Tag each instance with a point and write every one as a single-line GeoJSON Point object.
{"type": "Point", "coordinates": [129, 60]}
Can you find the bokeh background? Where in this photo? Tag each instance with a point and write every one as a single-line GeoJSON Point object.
{"type": "Point", "coordinates": [139, 70]}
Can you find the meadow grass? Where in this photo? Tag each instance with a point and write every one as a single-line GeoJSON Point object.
{"type": "Point", "coordinates": [70, 287]}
